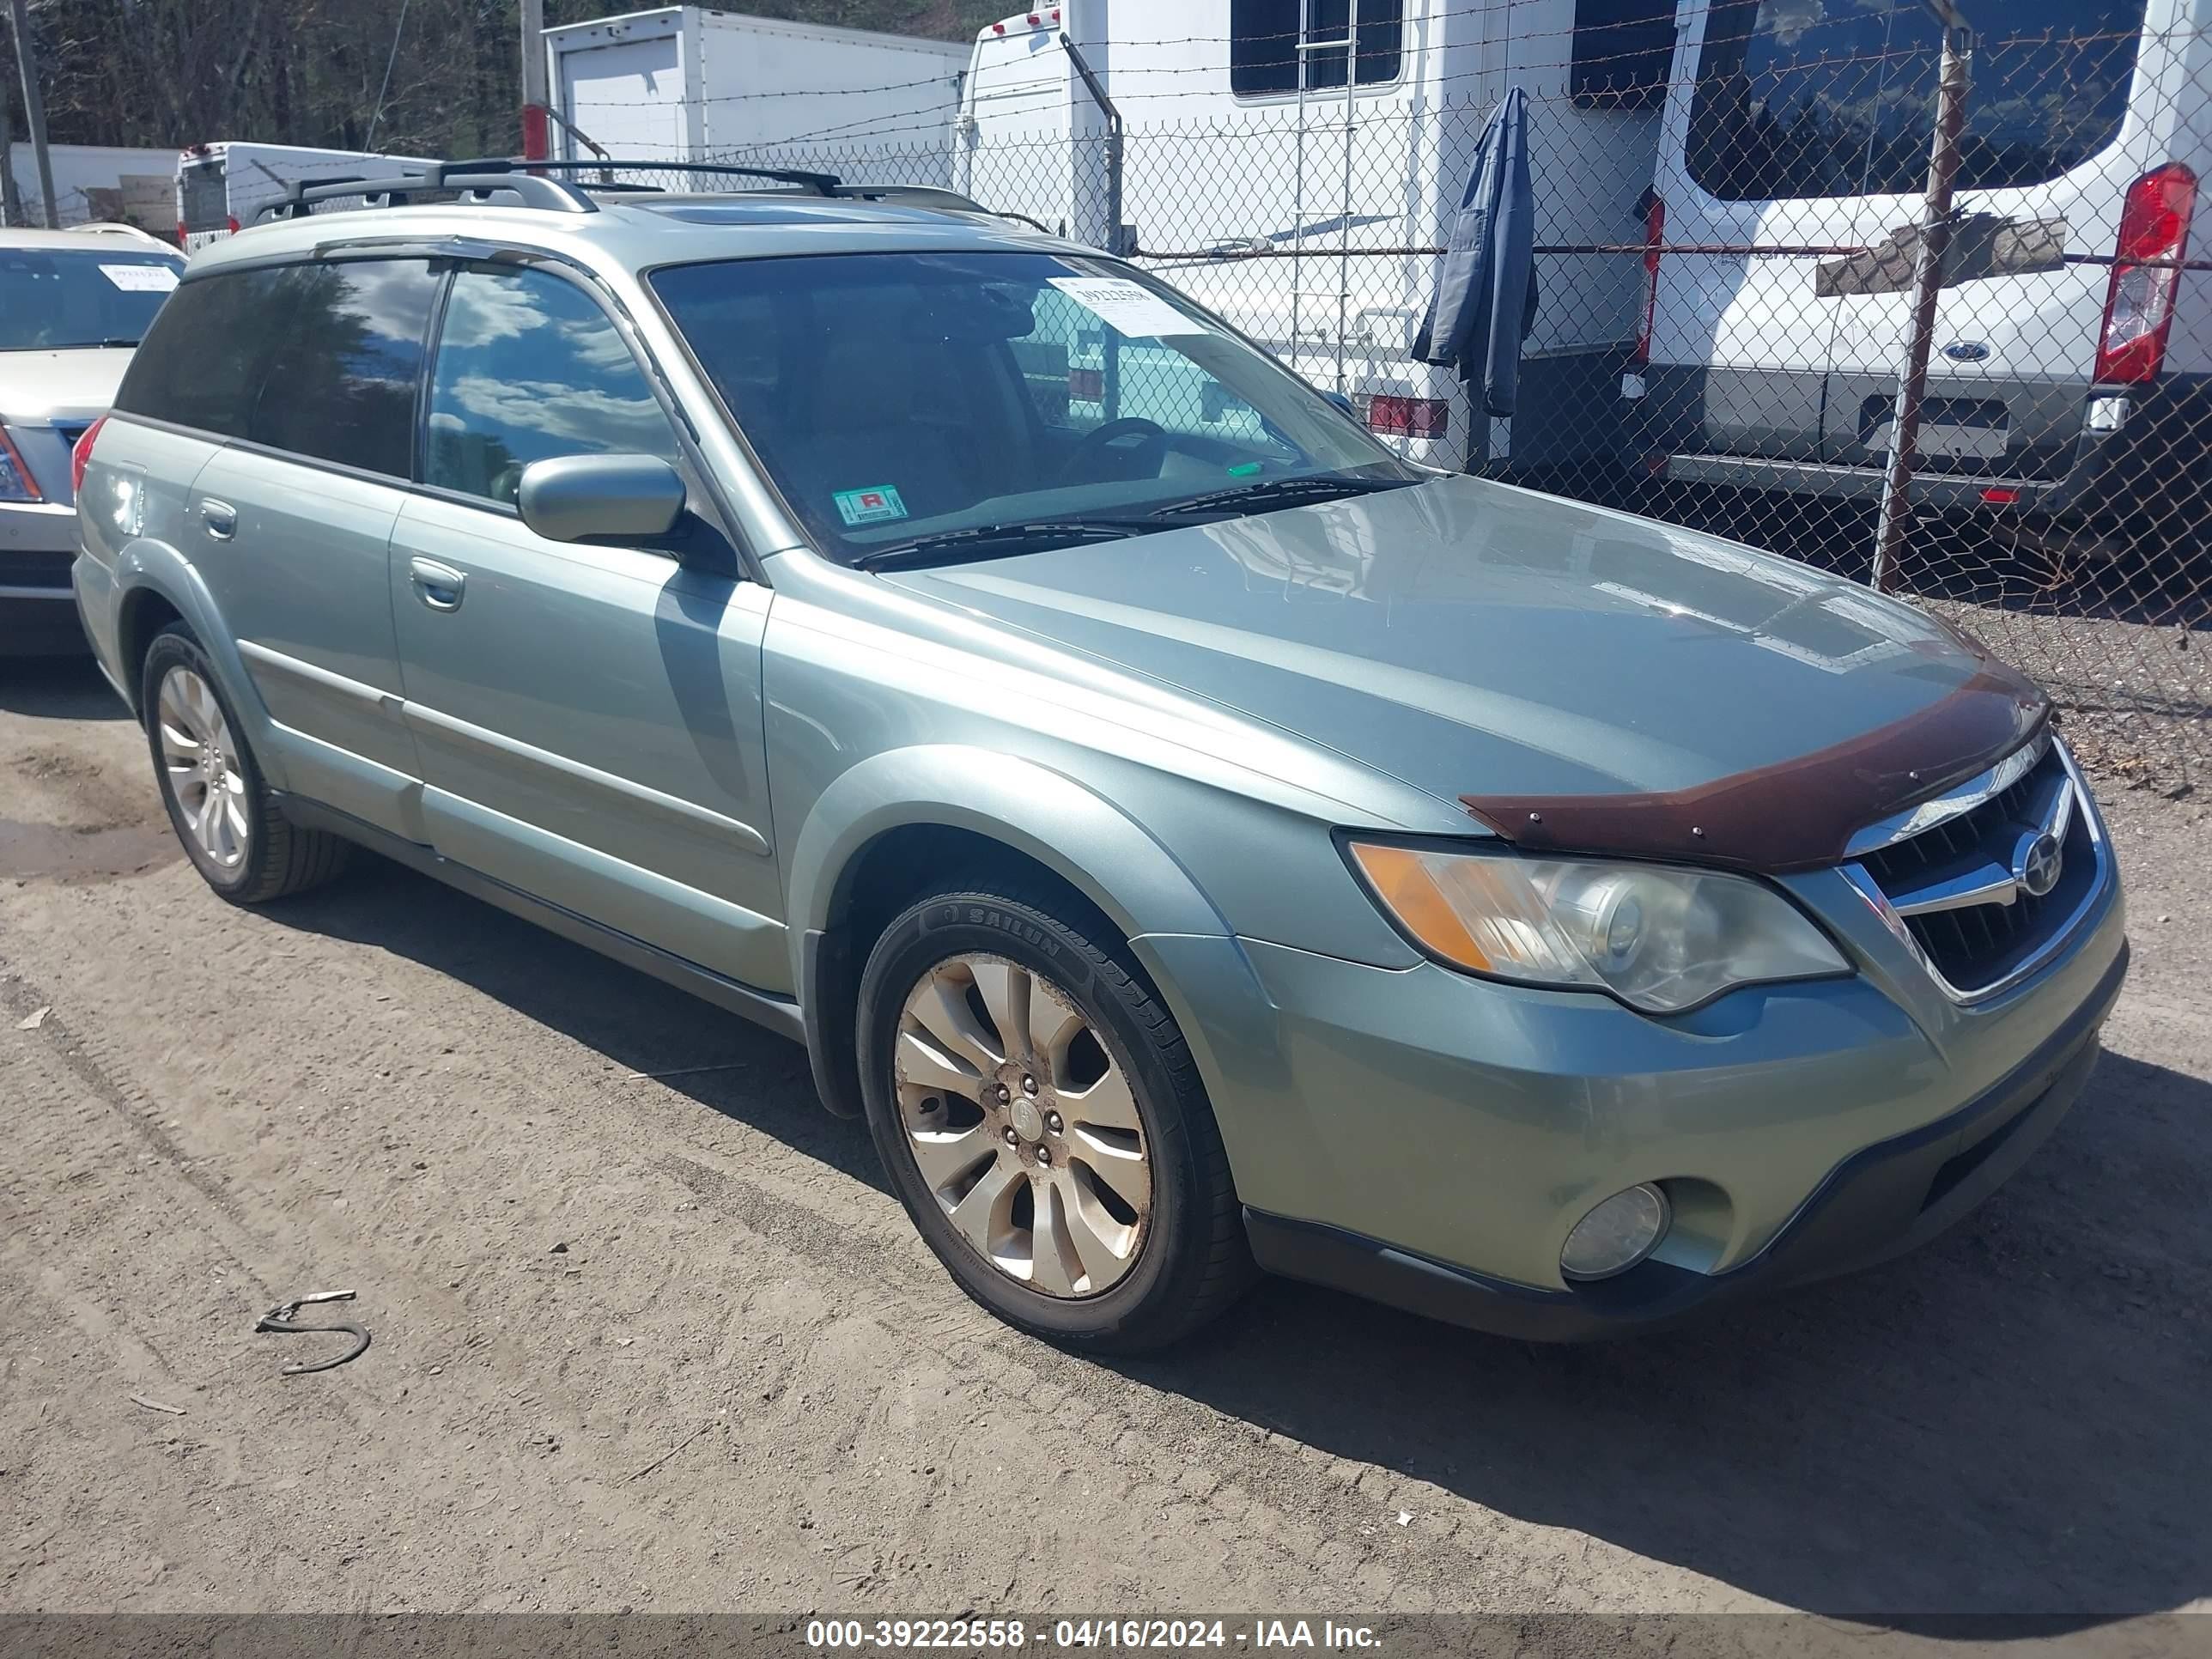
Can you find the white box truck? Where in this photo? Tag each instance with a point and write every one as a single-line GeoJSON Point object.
{"type": "Point", "coordinates": [686, 83]}
{"type": "Point", "coordinates": [220, 187]}
{"type": "Point", "coordinates": [1240, 137]}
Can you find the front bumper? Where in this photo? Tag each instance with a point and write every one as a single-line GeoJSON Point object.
{"type": "Point", "coordinates": [1431, 1138]}
{"type": "Point", "coordinates": [1883, 1201]}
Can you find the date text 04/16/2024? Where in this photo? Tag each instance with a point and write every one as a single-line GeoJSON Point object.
{"type": "Point", "coordinates": [827, 1636]}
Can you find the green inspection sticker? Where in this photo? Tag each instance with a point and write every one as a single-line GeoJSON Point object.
{"type": "Point", "coordinates": [877, 504]}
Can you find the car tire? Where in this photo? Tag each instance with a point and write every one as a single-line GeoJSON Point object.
{"type": "Point", "coordinates": [1142, 1238]}
{"type": "Point", "coordinates": [225, 817]}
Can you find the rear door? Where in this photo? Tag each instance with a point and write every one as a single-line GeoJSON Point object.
{"type": "Point", "coordinates": [1740, 347]}
{"type": "Point", "coordinates": [2052, 136]}
{"type": "Point", "coordinates": [310, 370]}
{"type": "Point", "coordinates": [589, 716]}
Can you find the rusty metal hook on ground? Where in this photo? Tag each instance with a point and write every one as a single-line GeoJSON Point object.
{"type": "Point", "coordinates": [279, 1319]}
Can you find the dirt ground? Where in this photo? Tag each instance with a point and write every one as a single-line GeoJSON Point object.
{"type": "Point", "coordinates": [664, 1342]}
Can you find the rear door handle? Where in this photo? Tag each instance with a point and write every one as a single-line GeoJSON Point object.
{"type": "Point", "coordinates": [437, 586]}
{"type": "Point", "coordinates": [220, 517]}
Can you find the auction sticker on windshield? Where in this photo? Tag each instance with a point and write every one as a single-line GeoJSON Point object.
{"type": "Point", "coordinates": [142, 279]}
{"type": "Point", "coordinates": [878, 504]}
{"type": "Point", "coordinates": [1125, 306]}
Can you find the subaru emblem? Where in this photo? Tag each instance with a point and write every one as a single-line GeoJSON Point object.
{"type": "Point", "coordinates": [2038, 864]}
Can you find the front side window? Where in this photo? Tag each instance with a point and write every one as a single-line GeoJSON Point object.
{"type": "Point", "coordinates": [898, 396]}
{"type": "Point", "coordinates": [348, 350]}
{"type": "Point", "coordinates": [1265, 37]}
{"type": "Point", "coordinates": [1795, 99]}
{"type": "Point", "coordinates": [529, 368]}
{"type": "Point", "coordinates": [65, 299]}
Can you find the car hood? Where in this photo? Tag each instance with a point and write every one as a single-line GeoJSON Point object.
{"type": "Point", "coordinates": [60, 385]}
{"type": "Point", "coordinates": [1485, 643]}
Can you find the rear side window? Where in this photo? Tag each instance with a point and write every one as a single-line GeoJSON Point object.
{"type": "Point", "coordinates": [529, 368]}
{"type": "Point", "coordinates": [1623, 50]}
{"type": "Point", "coordinates": [350, 341]}
{"type": "Point", "coordinates": [1796, 100]}
{"type": "Point", "coordinates": [320, 360]}
{"type": "Point", "coordinates": [203, 364]}
{"type": "Point", "coordinates": [1264, 37]}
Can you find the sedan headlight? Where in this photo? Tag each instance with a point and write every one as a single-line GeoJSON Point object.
{"type": "Point", "coordinates": [1661, 939]}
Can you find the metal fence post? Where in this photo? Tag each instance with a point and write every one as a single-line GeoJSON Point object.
{"type": "Point", "coordinates": [1895, 520]}
{"type": "Point", "coordinates": [1119, 242]}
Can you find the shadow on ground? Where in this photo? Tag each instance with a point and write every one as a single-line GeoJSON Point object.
{"type": "Point", "coordinates": [58, 688]}
{"type": "Point", "coordinates": [2011, 1422]}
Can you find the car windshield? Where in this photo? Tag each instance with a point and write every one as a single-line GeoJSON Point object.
{"type": "Point", "coordinates": [979, 403]}
{"type": "Point", "coordinates": [52, 299]}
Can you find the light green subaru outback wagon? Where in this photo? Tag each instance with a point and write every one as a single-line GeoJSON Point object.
{"type": "Point", "coordinates": [1194, 838]}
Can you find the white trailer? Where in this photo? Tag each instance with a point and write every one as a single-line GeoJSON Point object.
{"type": "Point", "coordinates": [1241, 137]}
{"type": "Point", "coordinates": [97, 184]}
{"type": "Point", "coordinates": [220, 187]}
{"type": "Point", "coordinates": [685, 83]}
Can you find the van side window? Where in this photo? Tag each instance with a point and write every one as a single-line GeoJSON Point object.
{"type": "Point", "coordinates": [528, 368]}
{"type": "Point", "coordinates": [1794, 102]}
{"type": "Point", "coordinates": [1623, 51]}
{"type": "Point", "coordinates": [1264, 39]}
{"type": "Point", "coordinates": [349, 352]}
{"type": "Point", "coordinates": [202, 362]}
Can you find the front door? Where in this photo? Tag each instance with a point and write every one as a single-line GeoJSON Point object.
{"type": "Point", "coordinates": [589, 717]}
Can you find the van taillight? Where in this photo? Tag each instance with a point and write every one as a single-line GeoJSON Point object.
{"type": "Point", "coordinates": [2139, 302]}
{"type": "Point", "coordinates": [1655, 237]}
{"type": "Point", "coordinates": [1408, 417]}
{"type": "Point", "coordinates": [80, 454]}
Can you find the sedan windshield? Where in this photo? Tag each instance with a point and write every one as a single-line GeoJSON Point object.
{"type": "Point", "coordinates": [917, 406]}
{"type": "Point", "coordinates": [53, 299]}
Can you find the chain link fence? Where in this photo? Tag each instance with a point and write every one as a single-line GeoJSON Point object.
{"type": "Point", "coordinates": [1763, 228]}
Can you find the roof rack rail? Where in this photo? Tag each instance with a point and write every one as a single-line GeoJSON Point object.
{"type": "Point", "coordinates": [822, 184]}
{"type": "Point", "coordinates": [397, 190]}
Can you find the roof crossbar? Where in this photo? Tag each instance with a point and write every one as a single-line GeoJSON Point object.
{"type": "Point", "coordinates": [822, 184]}
{"type": "Point", "coordinates": [397, 190]}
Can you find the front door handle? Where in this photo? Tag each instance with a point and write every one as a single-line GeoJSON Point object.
{"type": "Point", "coordinates": [437, 586]}
{"type": "Point", "coordinates": [220, 517]}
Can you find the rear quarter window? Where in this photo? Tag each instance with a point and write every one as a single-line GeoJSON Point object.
{"type": "Point", "coordinates": [320, 360]}
{"type": "Point", "coordinates": [1797, 99]}
{"type": "Point", "coordinates": [203, 364]}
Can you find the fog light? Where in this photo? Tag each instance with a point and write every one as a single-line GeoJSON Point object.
{"type": "Point", "coordinates": [1616, 1235]}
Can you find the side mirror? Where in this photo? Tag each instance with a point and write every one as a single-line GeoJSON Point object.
{"type": "Point", "coordinates": [1343, 402]}
{"type": "Point", "coordinates": [585, 498]}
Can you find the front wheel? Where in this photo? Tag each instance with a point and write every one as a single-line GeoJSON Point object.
{"type": "Point", "coordinates": [1042, 1119]}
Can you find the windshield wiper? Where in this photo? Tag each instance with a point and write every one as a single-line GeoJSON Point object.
{"type": "Point", "coordinates": [1280, 492]}
{"type": "Point", "coordinates": [995, 541]}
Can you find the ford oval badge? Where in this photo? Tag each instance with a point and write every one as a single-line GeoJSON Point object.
{"type": "Point", "coordinates": [1965, 351]}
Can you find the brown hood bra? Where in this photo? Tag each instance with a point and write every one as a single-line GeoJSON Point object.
{"type": "Point", "coordinates": [1795, 814]}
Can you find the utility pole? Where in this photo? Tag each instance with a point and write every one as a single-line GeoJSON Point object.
{"type": "Point", "coordinates": [537, 145]}
{"type": "Point", "coordinates": [34, 108]}
{"type": "Point", "coordinates": [11, 210]}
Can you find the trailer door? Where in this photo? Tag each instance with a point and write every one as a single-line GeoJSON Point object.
{"type": "Point", "coordinates": [628, 95]}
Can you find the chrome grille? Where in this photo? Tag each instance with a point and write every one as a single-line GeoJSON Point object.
{"type": "Point", "coordinates": [1962, 889]}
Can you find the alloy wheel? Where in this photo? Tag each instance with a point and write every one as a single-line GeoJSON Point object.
{"type": "Point", "coordinates": [201, 761]}
{"type": "Point", "coordinates": [1023, 1125]}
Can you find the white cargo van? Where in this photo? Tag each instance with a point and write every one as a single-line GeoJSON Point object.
{"type": "Point", "coordinates": [1241, 135]}
{"type": "Point", "coordinates": [2081, 392]}
{"type": "Point", "coordinates": [221, 186]}
{"type": "Point", "coordinates": [689, 84]}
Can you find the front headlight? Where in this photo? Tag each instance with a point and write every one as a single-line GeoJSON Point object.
{"type": "Point", "coordinates": [1660, 938]}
